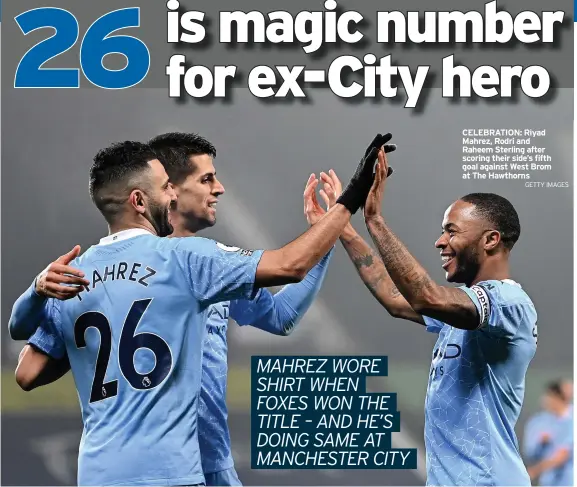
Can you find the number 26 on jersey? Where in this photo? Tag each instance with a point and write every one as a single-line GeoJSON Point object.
{"type": "Point", "coordinates": [129, 343]}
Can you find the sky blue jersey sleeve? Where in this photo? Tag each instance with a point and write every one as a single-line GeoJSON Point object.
{"type": "Point", "coordinates": [280, 313]}
{"type": "Point", "coordinates": [503, 306]}
{"type": "Point", "coordinates": [48, 340]}
{"type": "Point", "coordinates": [29, 310]}
{"type": "Point", "coordinates": [217, 272]}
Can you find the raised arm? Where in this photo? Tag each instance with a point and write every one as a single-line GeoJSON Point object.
{"type": "Point", "coordinates": [280, 313]}
{"type": "Point", "coordinates": [218, 272]}
{"type": "Point", "coordinates": [367, 262]}
{"type": "Point", "coordinates": [448, 305]}
{"type": "Point", "coordinates": [374, 275]}
{"type": "Point", "coordinates": [292, 262]}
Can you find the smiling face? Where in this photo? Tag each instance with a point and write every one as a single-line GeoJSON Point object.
{"type": "Point", "coordinates": [462, 242]}
{"type": "Point", "coordinates": [198, 195]}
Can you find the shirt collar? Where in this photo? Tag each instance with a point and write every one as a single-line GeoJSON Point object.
{"type": "Point", "coordinates": [512, 282]}
{"type": "Point", "coordinates": [123, 235]}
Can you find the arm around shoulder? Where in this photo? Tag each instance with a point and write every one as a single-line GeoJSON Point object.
{"type": "Point", "coordinates": [29, 310]}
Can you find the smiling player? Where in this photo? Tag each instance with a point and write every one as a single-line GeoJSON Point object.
{"type": "Point", "coordinates": [487, 330]}
{"type": "Point", "coordinates": [188, 160]}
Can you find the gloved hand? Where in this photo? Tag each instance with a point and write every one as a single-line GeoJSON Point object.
{"type": "Point", "coordinates": [380, 141]}
{"type": "Point", "coordinates": [355, 194]}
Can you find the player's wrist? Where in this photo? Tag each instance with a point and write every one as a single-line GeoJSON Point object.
{"type": "Point", "coordinates": [374, 220]}
{"type": "Point", "coordinates": [36, 289]}
{"type": "Point", "coordinates": [341, 209]}
{"type": "Point", "coordinates": [348, 234]}
{"type": "Point", "coordinates": [349, 200]}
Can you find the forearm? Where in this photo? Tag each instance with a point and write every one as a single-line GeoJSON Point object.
{"type": "Point", "coordinates": [37, 369]}
{"type": "Point", "coordinates": [28, 312]}
{"type": "Point", "coordinates": [292, 302]}
{"type": "Point", "coordinates": [373, 273]}
{"type": "Point", "coordinates": [56, 370]}
{"type": "Point", "coordinates": [406, 273]}
{"type": "Point", "coordinates": [292, 262]}
{"type": "Point", "coordinates": [449, 305]}
{"type": "Point", "coordinates": [311, 246]}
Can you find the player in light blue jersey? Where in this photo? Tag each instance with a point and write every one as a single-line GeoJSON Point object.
{"type": "Point", "coordinates": [188, 160]}
{"type": "Point", "coordinates": [550, 459]}
{"type": "Point", "coordinates": [537, 431]}
{"type": "Point", "coordinates": [487, 332]}
{"type": "Point", "coordinates": [134, 335]}
{"type": "Point", "coordinates": [536, 437]}
{"type": "Point", "coordinates": [537, 434]}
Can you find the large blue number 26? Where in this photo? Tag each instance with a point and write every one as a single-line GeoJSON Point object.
{"type": "Point", "coordinates": [96, 45]}
{"type": "Point", "coordinates": [127, 347]}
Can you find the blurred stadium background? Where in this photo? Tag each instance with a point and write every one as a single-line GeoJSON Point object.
{"type": "Point", "coordinates": [265, 154]}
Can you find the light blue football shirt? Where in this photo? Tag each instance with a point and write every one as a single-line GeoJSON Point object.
{"type": "Point", "coordinates": [277, 314]}
{"type": "Point", "coordinates": [134, 339]}
{"type": "Point", "coordinates": [476, 388]}
{"type": "Point", "coordinates": [560, 430]}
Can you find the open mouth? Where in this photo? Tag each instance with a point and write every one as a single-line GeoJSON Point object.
{"type": "Point", "coordinates": [447, 259]}
{"type": "Point", "coordinates": [213, 205]}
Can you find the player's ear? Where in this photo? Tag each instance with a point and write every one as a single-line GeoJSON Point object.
{"type": "Point", "coordinates": [137, 199]}
{"type": "Point", "coordinates": [492, 238]}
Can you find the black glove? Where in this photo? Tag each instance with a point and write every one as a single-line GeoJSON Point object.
{"type": "Point", "coordinates": [378, 142]}
{"type": "Point", "coordinates": [356, 192]}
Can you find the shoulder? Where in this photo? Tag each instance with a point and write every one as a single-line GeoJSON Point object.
{"type": "Point", "coordinates": [207, 248]}
{"type": "Point", "coordinates": [503, 293]}
{"type": "Point", "coordinates": [503, 305]}
{"type": "Point", "coordinates": [189, 244]}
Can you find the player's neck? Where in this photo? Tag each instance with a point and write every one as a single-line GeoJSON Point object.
{"type": "Point", "coordinates": [182, 232]}
{"type": "Point", "coordinates": [121, 226]}
{"type": "Point", "coordinates": [493, 270]}
{"type": "Point", "coordinates": [181, 226]}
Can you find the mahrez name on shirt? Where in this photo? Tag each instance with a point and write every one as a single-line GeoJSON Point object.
{"type": "Point", "coordinates": [136, 272]}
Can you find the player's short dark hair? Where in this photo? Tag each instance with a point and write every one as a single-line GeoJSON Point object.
{"type": "Point", "coordinates": [499, 212]}
{"type": "Point", "coordinates": [556, 388]}
{"type": "Point", "coordinates": [113, 170]}
{"type": "Point", "coordinates": [174, 150]}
